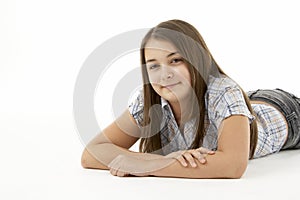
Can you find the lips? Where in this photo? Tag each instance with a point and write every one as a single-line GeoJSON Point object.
{"type": "Point", "coordinates": [170, 85]}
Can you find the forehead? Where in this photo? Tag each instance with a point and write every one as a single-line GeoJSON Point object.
{"type": "Point", "coordinates": [154, 46]}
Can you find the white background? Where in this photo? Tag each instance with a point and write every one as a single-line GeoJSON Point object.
{"type": "Point", "coordinates": [43, 45]}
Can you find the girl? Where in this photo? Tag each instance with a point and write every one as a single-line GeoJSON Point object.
{"type": "Point", "coordinates": [193, 120]}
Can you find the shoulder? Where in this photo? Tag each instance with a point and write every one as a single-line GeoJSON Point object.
{"type": "Point", "coordinates": [225, 98]}
{"type": "Point", "coordinates": [218, 85]}
{"type": "Point", "coordinates": [136, 105]}
{"type": "Point", "coordinates": [222, 87]}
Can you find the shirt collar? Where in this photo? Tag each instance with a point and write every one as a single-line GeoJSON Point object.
{"type": "Point", "coordinates": [164, 102]}
{"type": "Point", "coordinates": [166, 108]}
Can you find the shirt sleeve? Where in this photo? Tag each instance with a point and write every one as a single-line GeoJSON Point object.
{"type": "Point", "coordinates": [136, 106]}
{"type": "Point", "coordinates": [231, 102]}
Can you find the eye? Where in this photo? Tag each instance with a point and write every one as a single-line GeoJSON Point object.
{"type": "Point", "coordinates": [153, 66]}
{"type": "Point", "coordinates": [176, 60]}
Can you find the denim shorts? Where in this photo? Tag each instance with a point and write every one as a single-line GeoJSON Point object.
{"type": "Point", "coordinates": [289, 105]}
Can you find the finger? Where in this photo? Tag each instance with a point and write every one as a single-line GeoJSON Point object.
{"type": "Point", "coordinates": [113, 171]}
{"type": "Point", "coordinates": [190, 159]}
{"type": "Point", "coordinates": [117, 172]}
{"type": "Point", "coordinates": [199, 156]}
{"type": "Point", "coordinates": [121, 173]}
{"type": "Point", "coordinates": [112, 164]}
{"type": "Point", "coordinates": [182, 161]}
{"type": "Point", "coordinates": [211, 152]}
{"type": "Point", "coordinates": [205, 150]}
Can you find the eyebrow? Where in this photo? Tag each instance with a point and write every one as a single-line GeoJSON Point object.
{"type": "Point", "coordinates": [171, 54]}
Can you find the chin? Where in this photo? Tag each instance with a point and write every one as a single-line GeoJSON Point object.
{"type": "Point", "coordinates": [171, 97]}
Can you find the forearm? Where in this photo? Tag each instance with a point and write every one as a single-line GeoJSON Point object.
{"type": "Point", "coordinates": [98, 156]}
{"type": "Point", "coordinates": [217, 166]}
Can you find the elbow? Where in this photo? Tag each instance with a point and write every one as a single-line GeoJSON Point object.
{"type": "Point", "coordinates": [84, 159]}
{"type": "Point", "coordinates": [238, 175]}
{"type": "Point", "coordinates": [89, 161]}
{"type": "Point", "coordinates": [238, 170]}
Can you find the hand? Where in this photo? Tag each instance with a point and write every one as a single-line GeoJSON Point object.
{"type": "Point", "coordinates": [185, 156]}
{"type": "Point", "coordinates": [124, 165]}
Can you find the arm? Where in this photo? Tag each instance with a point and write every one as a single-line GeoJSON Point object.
{"type": "Point", "coordinates": [229, 161]}
{"type": "Point", "coordinates": [114, 140]}
{"type": "Point", "coordinates": [98, 156]}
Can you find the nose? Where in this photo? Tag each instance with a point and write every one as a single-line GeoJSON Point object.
{"type": "Point", "coordinates": [167, 73]}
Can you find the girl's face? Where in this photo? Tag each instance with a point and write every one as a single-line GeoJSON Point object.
{"type": "Point", "coordinates": [167, 71]}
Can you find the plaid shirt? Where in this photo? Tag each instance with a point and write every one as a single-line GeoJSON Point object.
{"type": "Point", "coordinates": [222, 99]}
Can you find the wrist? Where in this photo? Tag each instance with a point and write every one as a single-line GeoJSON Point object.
{"type": "Point", "coordinates": [146, 156]}
{"type": "Point", "coordinates": [159, 164]}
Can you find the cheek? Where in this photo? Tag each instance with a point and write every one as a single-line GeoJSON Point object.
{"type": "Point", "coordinates": [188, 78]}
{"type": "Point", "coordinates": [154, 81]}
{"type": "Point", "coordinates": [154, 77]}
{"type": "Point", "coordinates": [156, 88]}
{"type": "Point", "coordinates": [184, 75]}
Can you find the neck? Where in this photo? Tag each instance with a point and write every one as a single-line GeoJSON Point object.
{"type": "Point", "coordinates": [182, 111]}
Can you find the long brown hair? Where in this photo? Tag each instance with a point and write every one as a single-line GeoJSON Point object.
{"type": "Point", "coordinates": [201, 64]}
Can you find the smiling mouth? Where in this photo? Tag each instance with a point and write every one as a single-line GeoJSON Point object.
{"type": "Point", "coordinates": [170, 86]}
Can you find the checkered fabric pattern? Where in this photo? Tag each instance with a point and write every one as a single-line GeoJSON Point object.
{"type": "Point", "coordinates": [222, 99]}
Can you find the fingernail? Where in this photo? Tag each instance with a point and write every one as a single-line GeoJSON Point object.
{"type": "Point", "coordinates": [194, 165]}
{"type": "Point", "coordinates": [202, 160]}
